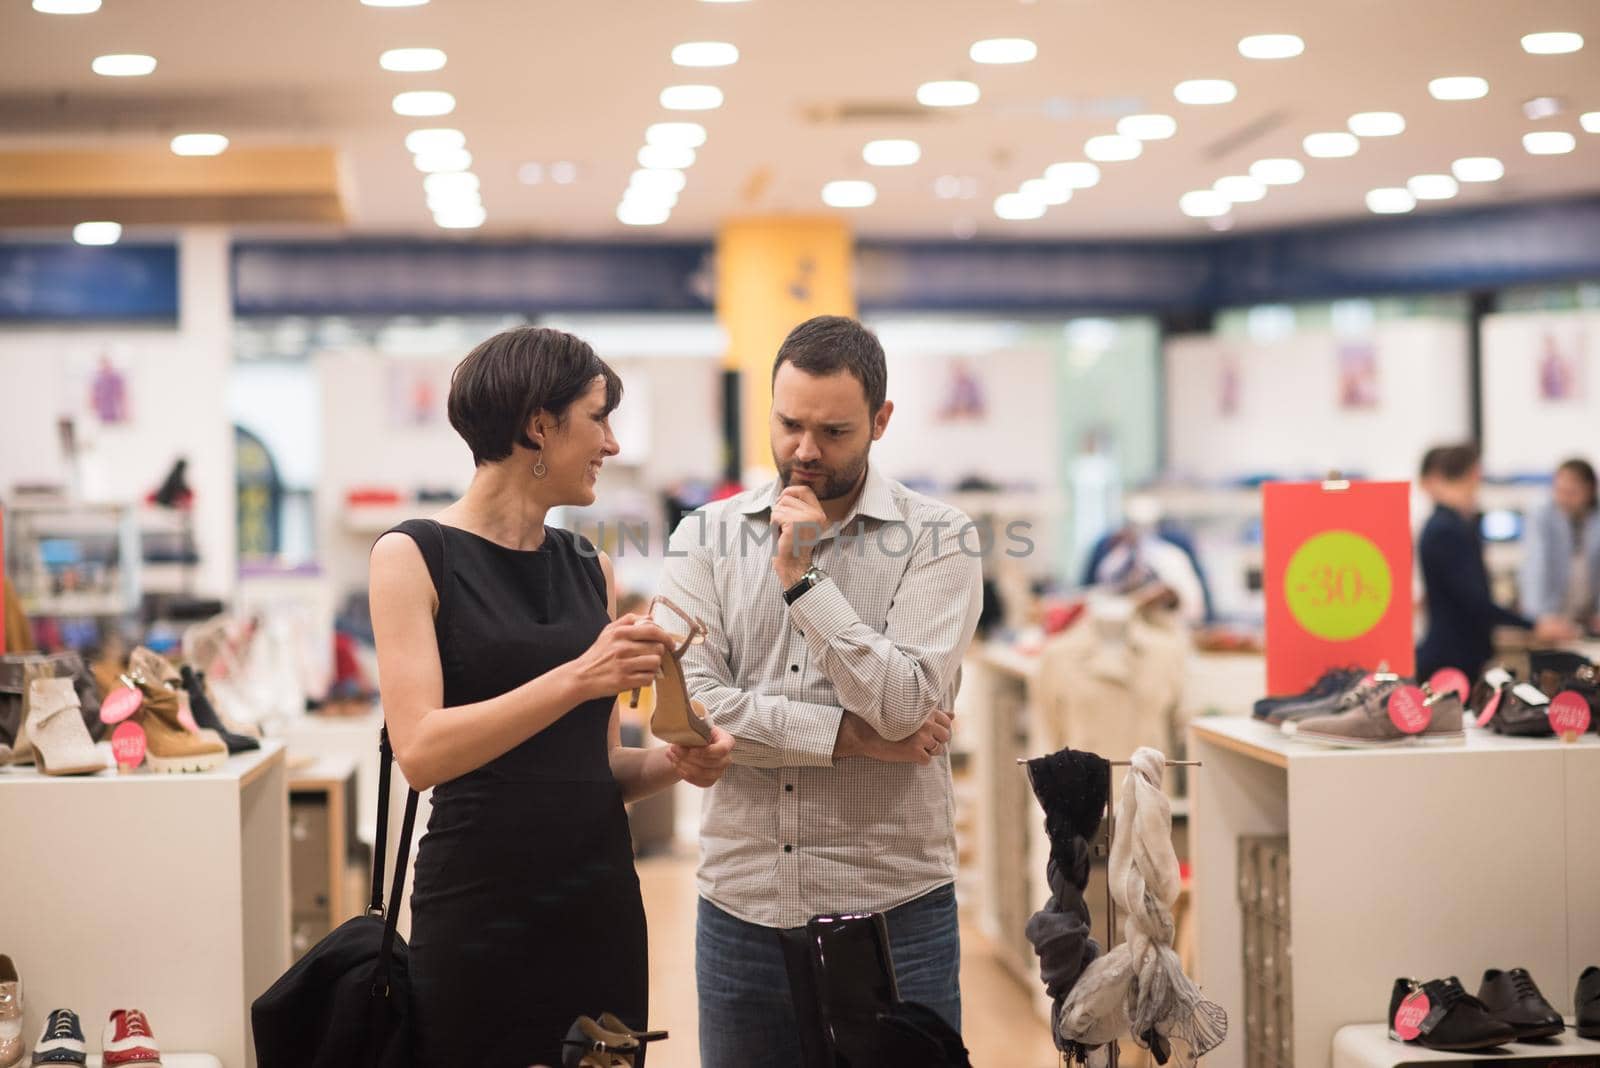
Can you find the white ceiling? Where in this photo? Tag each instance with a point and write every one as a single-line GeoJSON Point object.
{"type": "Point", "coordinates": [548, 80]}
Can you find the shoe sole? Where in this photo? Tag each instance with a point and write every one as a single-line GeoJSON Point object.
{"type": "Point", "coordinates": [1464, 1047]}
{"type": "Point", "coordinates": [176, 765]}
{"type": "Point", "coordinates": [1589, 1032]}
{"type": "Point", "coordinates": [1452, 738]}
{"type": "Point", "coordinates": [1548, 1031]}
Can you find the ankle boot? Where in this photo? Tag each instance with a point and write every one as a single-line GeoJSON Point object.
{"type": "Point", "coordinates": [169, 747]}
{"type": "Point", "coordinates": [205, 714]}
{"type": "Point", "coordinates": [61, 742]}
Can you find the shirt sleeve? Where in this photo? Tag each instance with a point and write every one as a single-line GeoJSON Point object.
{"type": "Point", "coordinates": [896, 678]}
{"type": "Point", "coordinates": [769, 730]}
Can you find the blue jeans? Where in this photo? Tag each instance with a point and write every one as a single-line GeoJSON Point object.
{"type": "Point", "coordinates": [746, 1018]}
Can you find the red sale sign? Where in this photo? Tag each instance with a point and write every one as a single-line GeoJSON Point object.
{"type": "Point", "coordinates": [1337, 579]}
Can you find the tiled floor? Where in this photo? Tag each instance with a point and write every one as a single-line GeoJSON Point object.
{"type": "Point", "coordinates": [1002, 1030]}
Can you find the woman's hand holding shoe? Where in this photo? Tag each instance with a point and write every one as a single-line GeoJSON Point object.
{"type": "Point", "coordinates": [626, 656]}
{"type": "Point", "coordinates": [703, 765]}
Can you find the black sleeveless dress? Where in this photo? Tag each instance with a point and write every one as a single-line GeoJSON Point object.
{"type": "Point", "coordinates": [526, 910]}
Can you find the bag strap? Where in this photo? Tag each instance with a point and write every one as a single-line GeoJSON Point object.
{"type": "Point", "coordinates": [381, 840]}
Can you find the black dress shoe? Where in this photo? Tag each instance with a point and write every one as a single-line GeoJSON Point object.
{"type": "Point", "coordinates": [194, 684]}
{"type": "Point", "coordinates": [1524, 711]}
{"type": "Point", "coordinates": [1455, 1020]}
{"type": "Point", "coordinates": [1586, 1003]}
{"type": "Point", "coordinates": [1514, 998]}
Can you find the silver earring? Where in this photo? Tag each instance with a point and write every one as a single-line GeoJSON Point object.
{"type": "Point", "coordinates": [540, 470]}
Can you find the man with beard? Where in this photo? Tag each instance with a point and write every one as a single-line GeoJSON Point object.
{"type": "Point", "coordinates": [839, 605]}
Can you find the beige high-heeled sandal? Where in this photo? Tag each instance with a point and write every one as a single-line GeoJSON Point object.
{"type": "Point", "coordinates": [676, 718]}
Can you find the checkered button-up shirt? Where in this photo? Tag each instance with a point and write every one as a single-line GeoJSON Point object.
{"type": "Point", "coordinates": [789, 832]}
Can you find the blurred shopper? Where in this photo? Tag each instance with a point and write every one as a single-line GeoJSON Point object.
{"type": "Point", "coordinates": [1561, 561]}
{"type": "Point", "coordinates": [840, 605]}
{"type": "Point", "coordinates": [1461, 613]}
{"type": "Point", "coordinates": [499, 664]}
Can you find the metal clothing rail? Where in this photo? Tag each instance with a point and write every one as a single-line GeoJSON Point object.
{"type": "Point", "coordinates": [1112, 1050]}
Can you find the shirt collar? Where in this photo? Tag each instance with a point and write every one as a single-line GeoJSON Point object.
{"type": "Point", "coordinates": [877, 500]}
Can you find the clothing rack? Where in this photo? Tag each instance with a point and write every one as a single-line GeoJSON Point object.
{"type": "Point", "coordinates": [1111, 904]}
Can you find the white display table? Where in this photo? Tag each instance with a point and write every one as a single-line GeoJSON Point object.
{"type": "Point", "coordinates": [1369, 1046]}
{"type": "Point", "coordinates": [1418, 861]}
{"type": "Point", "coordinates": [166, 893]}
{"type": "Point", "coordinates": [168, 1060]}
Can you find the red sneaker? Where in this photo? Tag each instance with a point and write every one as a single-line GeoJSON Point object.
{"type": "Point", "coordinates": [128, 1041]}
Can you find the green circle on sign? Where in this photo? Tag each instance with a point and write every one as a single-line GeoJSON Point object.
{"type": "Point", "coordinates": [1338, 585]}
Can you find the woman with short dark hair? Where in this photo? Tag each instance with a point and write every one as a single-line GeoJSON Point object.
{"type": "Point", "coordinates": [1560, 582]}
{"type": "Point", "coordinates": [499, 665]}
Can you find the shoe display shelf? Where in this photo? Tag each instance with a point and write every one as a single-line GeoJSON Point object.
{"type": "Point", "coordinates": [171, 1060]}
{"type": "Point", "coordinates": [166, 892]}
{"type": "Point", "coordinates": [1418, 860]}
{"type": "Point", "coordinates": [1369, 1046]}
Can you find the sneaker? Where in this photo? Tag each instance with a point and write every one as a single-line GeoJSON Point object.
{"type": "Point", "coordinates": [10, 1014]}
{"type": "Point", "coordinates": [1585, 1003]}
{"type": "Point", "coordinates": [205, 714]}
{"type": "Point", "coordinates": [1376, 685]}
{"type": "Point", "coordinates": [1454, 1020]}
{"type": "Point", "coordinates": [62, 1041]}
{"type": "Point", "coordinates": [1331, 684]}
{"type": "Point", "coordinates": [128, 1041]}
{"type": "Point", "coordinates": [169, 747]}
{"type": "Point", "coordinates": [1514, 998]}
{"type": "Point", "coordinates": [1366, 723]}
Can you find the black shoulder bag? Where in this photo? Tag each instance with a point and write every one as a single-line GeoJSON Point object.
{"type": "Point", "coordinates": [347, 1002]}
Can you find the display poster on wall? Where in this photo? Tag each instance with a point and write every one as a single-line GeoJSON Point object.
{"type": "Point", "coordinates": [417, 392]}
{"type": "Point", "coordinates": [1563, 364]}
{"type": "Point", "coordinates": [1338, 579]}
{"type": "Point", "coordinates": [1358, 375]}
{"type": "Point", "coordinates": [965, 399]}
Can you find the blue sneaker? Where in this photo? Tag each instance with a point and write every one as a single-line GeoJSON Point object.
{"type": "Point", "coordinates": [1332, 683]}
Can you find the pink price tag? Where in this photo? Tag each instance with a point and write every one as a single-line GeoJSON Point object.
{"type": "Point", "coordinates": [1490, 707]}
{"type": "Point", "coordinates": [1408, 1018]}
{"type": "Point", "coordinates": [128, 744]}
{"type": "Point", "coordinates": [1569, 713]}
{"type": "Point", "coordinates": [1450, 679]}
{"type": "Point", "coordinates": [119, 704]}
{"type": "Point", "coordinates": [1409, 710]}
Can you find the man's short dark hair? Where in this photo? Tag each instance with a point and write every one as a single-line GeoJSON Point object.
{"type": "Point", "coordinates": [506, 379]}
{"type": "Point", "coordinates": [1449, 462]}
{"type": "Point", "coordinates": [828, 344]}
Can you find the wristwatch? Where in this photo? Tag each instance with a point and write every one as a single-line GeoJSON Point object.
{"type": "Point", "coordinates": [813, 575]}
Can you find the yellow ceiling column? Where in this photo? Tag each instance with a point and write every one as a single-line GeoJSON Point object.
{"type": "Point", "coordinates": [773, 274]}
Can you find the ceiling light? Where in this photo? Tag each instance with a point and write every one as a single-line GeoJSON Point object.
{"type": "Point", "coordinates": [633, 213]}
{"type": "Point", "coordinates": [1147, 127]}
{"type": "Point", "coordinates": [1205, 91]}
{"type": "Point", "coordinates": [1051, 194]}
{"type": "Point", "coordinates": [199, 144]}
{"type": "Point", "coordinates": [1433, 187]}
{"type": "Point", "coordinates": [1016, 207]}
{"type": "Point", "coordinates": [123, 66]}
{"type": "Point", "coordinates": [97, 233]}
{"type": "Point", "coordinates": [1004, 50]}
{"type": "Point", "coordinates": [1077, 175]}
{"type": "Point", "coordinates": [1478, 169]}
{"type": "Point", "coordinates": [1203, 204]}
{"type": "Point", "coordinates": [1549, 142]}
{"type": "Point", "coordinates": [443, 161]}
{"type": "Point", "coordinates": [1112, 148]}
{"type": "Point", "coordinates": [947, 94]}
{"type": "Point", "coordinates": [1460, 88]}
{"type": "Point", "coordinates": [849, 194]}
{"type": "Point", "coordinates": [1550, 44]}
{"type": "Point", "coordinates": [563, 172]}
{"type": "Point", "coordinates": [1541, 107]}
{"type": "Point", "coordinates": [465, 217]}
{"type": "Point", "coordinates": [1240, 188]}
{"type": "Point", "coordinates": [66, 7]}
{"type": "Point", "coordinates": [436, 140]}
{"type": "Point", "coordinates": [1271, 46]}
{"type": "Point", "coordinates": [1331, 145]}
{"type": "Point", "coordinates": [664, 158]}
{"type": "Point", "coordinates": [458, 183]}
{"type": "Point", "coordinates": [691, 97]}
{"type": "Point", "coordinates": [411, 60]}
{"type": "Point", "coordinates": [675, 134]}
{"type": "Point", "coordinates": [424, 102]}
{"type": "Point", "coordinates": [1277, 171]}
{"type": "Point", "coordinates": [1390, 201]}
{"type": "Point", "coordinates": [891, 153]}
{"type": "Point", "coordinates": [1590, 120]}
{"type": "Point", "coordinates": [652, 181]}
{"type": "Point", "coordinates": [1377, 124]}
{"type": "Point", "coordinates": [705, 54]}
{"type": "Point", "coordinates": [394, 3]}
{"type": "Point", "coordinates": [440, 203]}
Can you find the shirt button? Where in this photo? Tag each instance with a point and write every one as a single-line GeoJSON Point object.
{"type": "Point", "coordinates": [788, 849]}
{"type": "Point", "coordinates": [794, 667]}
{"type": "Point", "coordinates": [788, 787]}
